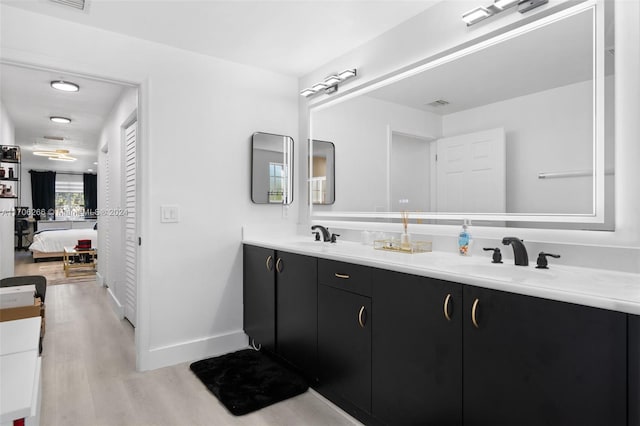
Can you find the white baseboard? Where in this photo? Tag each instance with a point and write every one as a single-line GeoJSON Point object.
{"type": "Point", "coordinates": [100, 279]}
{"type": "Point", "coordinates": [335, 407]}
{"type": "Point", "coordinates": [117, 307]}
{"type": "Point", "coordinates": [194, 350]}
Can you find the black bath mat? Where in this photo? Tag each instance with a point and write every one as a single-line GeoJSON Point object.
{"type": "Point", "coordinates": [248, 380]}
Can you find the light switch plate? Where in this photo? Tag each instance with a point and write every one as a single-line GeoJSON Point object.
{"type": "Point", "coordinates": [169, 213]}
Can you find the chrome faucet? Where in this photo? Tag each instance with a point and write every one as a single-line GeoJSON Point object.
{"type": "Point", "coordinates": [519, 250]}
{"type": "Point", "coordinates": [326, 237]}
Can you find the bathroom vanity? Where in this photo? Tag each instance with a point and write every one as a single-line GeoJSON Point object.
{"type": "Point", "coordinates": [435, 338]}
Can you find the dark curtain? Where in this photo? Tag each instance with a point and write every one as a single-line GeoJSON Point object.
{"type": "Point", "coordinates": [43, 193]}
{"type": "Point", "coordinates": [90, 195]}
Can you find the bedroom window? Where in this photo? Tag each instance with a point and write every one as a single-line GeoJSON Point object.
{"type": "Point", "coordinates": [276, 182]}
{"type": "Point", "coordinates": [69, 197]}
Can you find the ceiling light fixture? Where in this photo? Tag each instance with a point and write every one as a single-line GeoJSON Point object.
{"type": "Point", "coordinates": [329, 84]}
{"type": "Point", "coordinates": [61, 120]}
{"type": "Point", "coordinates": [54, 138]}
{"type": "Point", "coordinates": [65, 86]}
{"type": "Point", "coordinates": [57, 155]}
{"type": "Point", "coordinates": [481, 13]}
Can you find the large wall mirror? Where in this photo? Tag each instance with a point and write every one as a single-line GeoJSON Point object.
{"type": "Point", "coordinates": [512, 130]}
{"type": "Point", "coordinates": [271, 169]}
{"type": "Point", "coordinates": [322, 181]}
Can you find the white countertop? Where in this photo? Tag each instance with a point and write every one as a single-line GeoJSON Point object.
{"type": "Point", "coordinates": [617, 291]}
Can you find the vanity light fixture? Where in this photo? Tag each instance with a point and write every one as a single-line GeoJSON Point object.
{"type": "Point", "coordinates": [61, 120]}
{"type": "Point", "coordinates": [476, 15]}
{"type": "Point", "coordinates": [65, 86]}
{"type": "Point", "coordinates": [319, 86]}
{"type": "Point", "coordinates": [481, 13]}
{"type": "Point", "coordinates": [505, 4]}
{"type": "Point", "coordinates": [329, 84]}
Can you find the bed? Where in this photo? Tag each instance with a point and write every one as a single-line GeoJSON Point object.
{"type": "Point", "coordinates": [51, 242]}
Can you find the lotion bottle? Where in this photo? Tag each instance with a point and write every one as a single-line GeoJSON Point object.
{"type": "Point", "coordinates": [464, 239]}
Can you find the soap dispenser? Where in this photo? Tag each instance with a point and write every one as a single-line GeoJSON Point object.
{"type": "Point", "coordinates": [464, 239]}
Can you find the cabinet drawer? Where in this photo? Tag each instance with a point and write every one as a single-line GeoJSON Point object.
{"type": "Point", "coordinates": [346, 276]}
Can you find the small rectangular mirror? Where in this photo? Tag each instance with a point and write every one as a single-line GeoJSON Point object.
{"type": "Point", "coordinates": [322, 181]}
{"type": "Point", "coordinates": [271, 168]}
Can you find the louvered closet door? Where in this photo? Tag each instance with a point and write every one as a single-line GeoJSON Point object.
{"type": "Point", "coordinates": [131, 243]}
{"type": "Point", "coordinates": [106, 223]}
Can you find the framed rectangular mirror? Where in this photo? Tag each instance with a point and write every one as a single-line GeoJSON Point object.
{"type": "Point", "coordinates": [322, 179]}
{"type": "Point", "coordinates": [516, 128]}
{"type": "Point", "coordinates": [271, 168]}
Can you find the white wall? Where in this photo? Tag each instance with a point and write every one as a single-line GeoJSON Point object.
{"type": "Point", "coordinates": [197, 115]}
{"type": "Point", "coordinates": [7, 239]}
{"type": "Point", "coordinates": [439, 29]}
{"type": "Point", "coordinates": [7, 132]}
{"type": "Point", "coordinates": [359, 130]}
{"type": "Point", "coordinates": [410, 174]}
{"type": "Point", "coordinates": [110, 225]}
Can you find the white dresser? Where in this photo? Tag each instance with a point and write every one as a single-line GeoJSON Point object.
{"type": "Point", "coordinates": [20, 369]}
{"type": "Point", "coordinates": [7, 219]}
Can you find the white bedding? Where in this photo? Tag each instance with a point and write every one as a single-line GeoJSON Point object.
{"type": "Point", "coordinates": [56, 240]}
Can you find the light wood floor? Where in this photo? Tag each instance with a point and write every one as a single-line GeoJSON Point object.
{"type": "Point", "coordinates": [89, 376]}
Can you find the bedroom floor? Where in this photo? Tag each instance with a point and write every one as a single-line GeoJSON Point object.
{"type": "Point", "coordinates": [51, 269]}
{"type": "Point", "coordinates": [89, 377]}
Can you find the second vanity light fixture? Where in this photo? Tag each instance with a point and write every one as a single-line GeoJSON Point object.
{"type": "Point", "coordinates": [480, 13]}
{"type": "Point", "coordinates": [329, 84]}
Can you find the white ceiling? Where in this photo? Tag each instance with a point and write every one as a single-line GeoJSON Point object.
{"type": "Point", "coordinates": [289, 37]}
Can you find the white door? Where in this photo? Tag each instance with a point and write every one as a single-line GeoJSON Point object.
{"type": "Point", "coordinates": [409, 175]}
{"type": "Point", "coordinates": [471, 174]}
{"type": "Point", "coordinates": [131, 240]}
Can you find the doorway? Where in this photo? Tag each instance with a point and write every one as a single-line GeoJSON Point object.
{"type": "Point", "coordinates": [101, 110]}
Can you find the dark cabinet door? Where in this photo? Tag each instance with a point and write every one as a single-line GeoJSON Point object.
{"type": "Point", "coordinates": [259, 296]}
{"type": "Point", "coordinates": [530, 361]}
{"type": "Point", "coordinates": [634, 370]}
{"type": "Point", "coordinates": [344, 345]}
{"type": "Point", "coordinates": [297, 310]}
{"type": "Point", "coordinates": [417, 350]}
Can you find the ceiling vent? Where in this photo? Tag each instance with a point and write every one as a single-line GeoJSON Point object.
{"type": "Point", "coordinates": [76, 4]}
{"type": "Point", "coordinates": [438, 103]}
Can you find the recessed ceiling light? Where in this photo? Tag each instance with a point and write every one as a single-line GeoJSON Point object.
{"type": "Point", "coordinates": [89, 170]}
{"type": "Point", "coordinates": [95, 163]}
{"type": "Point", "coordinates": [62, 120]}
{"type": "Point", "coordinates": [65, 86]}
{"type": "Point", "coordinates": [54, 138]}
